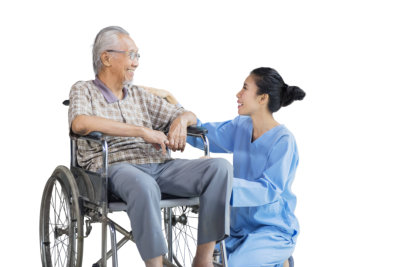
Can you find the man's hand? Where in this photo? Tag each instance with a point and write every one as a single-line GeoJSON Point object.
{"type": "Point", "coordinates": [156, 138]}
{"type": "Point", "coordinates": [177, 134]}
{"type": "Point", "coordinates": [178, 130]}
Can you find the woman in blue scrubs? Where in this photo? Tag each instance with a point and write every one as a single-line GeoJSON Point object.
{"type": "Point", "coordinates": [264, 228]}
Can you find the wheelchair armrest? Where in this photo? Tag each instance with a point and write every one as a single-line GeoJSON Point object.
{"type": "Point", "coordinates": [93, 136]}
{"type": "Point", "coordinates": [194, 130]}
{"type": "Point", "coordinates": [98, 137]}
{"type": "Point", "coordinates": [201, 132]}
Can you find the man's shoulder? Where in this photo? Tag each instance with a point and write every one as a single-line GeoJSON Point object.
{"type": "Point", "coordinates": [138, 90]}
{"type": "Point", "coordinates": [83, 88]}
{"type": "Point", "coordinates": [83, 84]}
{"type": "Point", "coordinates": [134, 87]}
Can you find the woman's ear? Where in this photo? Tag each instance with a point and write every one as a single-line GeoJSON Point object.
{"type": "Point", "coordinates": [105, 59]}
{"type": "Point", "coordinates": [263, 99]}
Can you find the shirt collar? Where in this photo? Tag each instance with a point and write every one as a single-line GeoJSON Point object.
{"type": "Point", "coordinates": [108, 95]}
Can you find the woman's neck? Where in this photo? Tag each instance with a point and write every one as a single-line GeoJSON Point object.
{"type": "Point", "coordinates": [262, 123]}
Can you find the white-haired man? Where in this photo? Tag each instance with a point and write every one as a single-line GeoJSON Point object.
{"type": "Point", "coordinates": [140, 169]}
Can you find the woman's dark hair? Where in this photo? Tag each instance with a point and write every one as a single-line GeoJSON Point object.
{"type": "Point", "coordinates": [280, 94]}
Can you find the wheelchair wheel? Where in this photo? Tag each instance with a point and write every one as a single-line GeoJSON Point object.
{"type": "Point", "coordinates": [83, 182]}
{"type": "Point", "coordinates": [61, 221]}
{"type": "Point", "coordinates": [184, 233]}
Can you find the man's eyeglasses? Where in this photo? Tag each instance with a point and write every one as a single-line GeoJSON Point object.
{"type": "Point", "coordinates": [132, 55]}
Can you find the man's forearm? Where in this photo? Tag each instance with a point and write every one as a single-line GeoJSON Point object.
{"type": "Point", "coordinates": [84, 125]}
{"type": "Point", "coordinates": [188, 118]}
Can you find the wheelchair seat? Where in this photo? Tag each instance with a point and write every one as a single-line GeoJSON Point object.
{"type": "Point", "coordinates": [167, 201]}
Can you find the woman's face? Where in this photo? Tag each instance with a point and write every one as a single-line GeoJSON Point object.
{"type": "Point", "coordinates": [247, 97]}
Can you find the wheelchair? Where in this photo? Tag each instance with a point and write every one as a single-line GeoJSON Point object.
{"type": "Point", "coordinates": [73, 199]}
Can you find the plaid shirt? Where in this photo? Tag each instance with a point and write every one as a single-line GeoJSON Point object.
{"type": "Point", "coordinates": [138, 107]}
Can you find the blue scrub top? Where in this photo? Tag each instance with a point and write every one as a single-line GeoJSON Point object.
{"type": "Point", "coordinates": [264, 170]}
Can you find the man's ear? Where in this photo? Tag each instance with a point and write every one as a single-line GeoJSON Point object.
{"type": "Point", "coordinates": [105, 59]}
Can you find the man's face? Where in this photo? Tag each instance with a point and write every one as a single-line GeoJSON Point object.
{"type": "Point", "coordinates": [122, 66]}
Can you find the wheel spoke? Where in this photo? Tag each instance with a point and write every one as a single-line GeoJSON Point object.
{"type": "Point", "coordinates": [183, 234]}
{"type": "Point", "coordinates": [191, 233]}
{"type": "Point", "coordinates": [58, 255]}
{"type": "Point", "coordinates": [177, 244]}
{"type": "Point", "coordinates": [58, 211]}
{"type": "Point", "coordinates": [181, 237]}
{"type": "Point", "coordinates": [53, 202]}
{"type": "Point", "coordinates": [57, 244]}
{"type": "Point", "coordinates": [187, 243]}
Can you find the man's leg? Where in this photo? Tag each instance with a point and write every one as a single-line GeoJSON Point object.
{"type": "Point", "coordinates": [211, 180]}
{"type": "Point", "coordinates": [204, 255]}
{"type": "Point", "coordinates": [154, 262]}
{"type": "Point", "coordinates": [142, 196]}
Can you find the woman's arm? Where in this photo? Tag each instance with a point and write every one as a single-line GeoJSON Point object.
{"type": "Point", "coordinates": [162, 93]}
{"type": "Point", "coordinates": [219, 133]}
{"type": "Point", "coordinates": [278, 175]}
{"type": "Point", "coordinates": [220, 136]}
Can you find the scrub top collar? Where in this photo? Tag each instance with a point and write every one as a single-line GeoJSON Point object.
{"type": "Point", "coordinates": [264, 135]}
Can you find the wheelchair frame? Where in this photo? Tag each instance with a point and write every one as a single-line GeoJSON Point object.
{"type": "Point", "coordinates": [85, 195]}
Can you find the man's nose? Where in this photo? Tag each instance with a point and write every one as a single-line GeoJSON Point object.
{"type": "Point", "coordinates": [135, 62]}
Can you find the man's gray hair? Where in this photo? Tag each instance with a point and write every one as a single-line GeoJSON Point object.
{"type": "Point", "coordinates": [106, 39]}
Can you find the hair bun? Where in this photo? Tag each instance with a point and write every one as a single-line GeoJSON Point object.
{"type": "Point", "coordinates": [290, 94]}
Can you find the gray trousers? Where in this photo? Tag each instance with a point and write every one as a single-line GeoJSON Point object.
{"type": "Point", "coordinates": [140, 187]}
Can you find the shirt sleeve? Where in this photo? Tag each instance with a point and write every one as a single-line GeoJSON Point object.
{"type": "Point", "coordinates": [220, 135]}
{"type": "Point", "coordinates": [281, 162]}
{"type": "Point", "coordinates": [162, 113]}
{"type": "Point", "coordinates": [79, 102]}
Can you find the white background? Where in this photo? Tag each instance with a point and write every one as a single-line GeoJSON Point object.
{"type": "Point", "coordinates": [344, 54]}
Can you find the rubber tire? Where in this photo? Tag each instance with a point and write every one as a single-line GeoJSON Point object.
{"type": "Point", "coordinates": [61, 186]}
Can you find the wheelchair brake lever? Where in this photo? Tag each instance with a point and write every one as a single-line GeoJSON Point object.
{"type": "Point", "coordinates": [88, 224]}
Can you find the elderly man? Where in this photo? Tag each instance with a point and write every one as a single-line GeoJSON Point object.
{"type": "Point", "coordinates": [140, 169]}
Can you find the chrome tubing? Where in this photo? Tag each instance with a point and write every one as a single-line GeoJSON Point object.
{"type": "Point", "coordinates": [113, 244]}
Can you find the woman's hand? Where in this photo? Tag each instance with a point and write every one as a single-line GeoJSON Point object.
{"type": "Point", "coordinates": [162, 93]}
